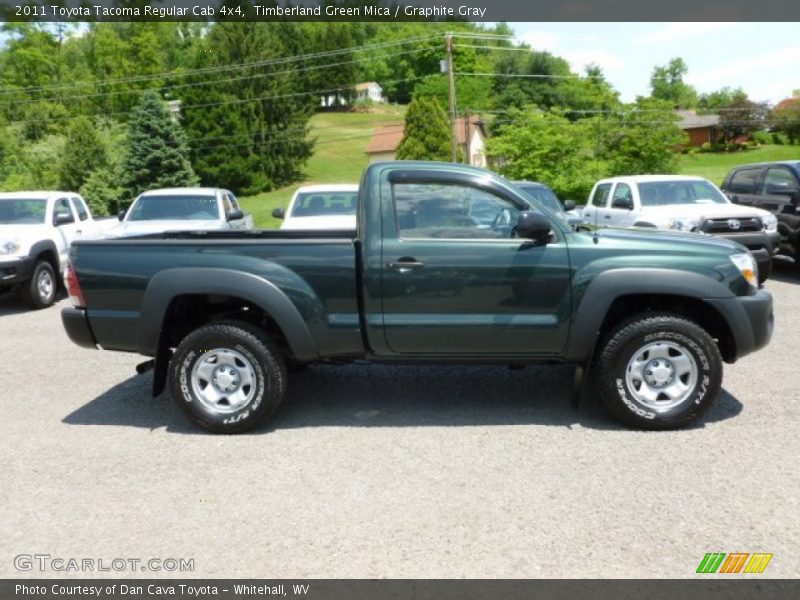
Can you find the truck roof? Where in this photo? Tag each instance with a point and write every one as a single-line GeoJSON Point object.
{"type": "Point", "coordinates": [181, 191]}
{"type": "Point", "coordinates": [34, 195]}
{"type": "Point", "coordinates": [650, 178]}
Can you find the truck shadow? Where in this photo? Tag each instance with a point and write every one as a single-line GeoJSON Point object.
{"type": "Point", "coordinates": [390, 396]}
{"type": "Point", "coordinates": [12, 304]}
{"type": "Point", "coordinates": [784, 270]}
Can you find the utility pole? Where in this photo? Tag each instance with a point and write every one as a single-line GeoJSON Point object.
{"type": "Point", "coordinates": [453, 134]}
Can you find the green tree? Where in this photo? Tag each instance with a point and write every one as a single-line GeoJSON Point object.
{"type": "Point", "coordinates": [427, 132]}
{"type": "Point", "coordinates": [157, 155]}
{"type": "Point", "coordinates": [250, 133]}
{"type": "Point", "coordinates": [786, 118]}
{"type": "Point", "coordinates": [742, 117]}
{"type": "Point", "coordinates": [666, 83]}
{"type": "Point", "coordinates": [549, 148]}
{"type": "Point", "coordinates": [83, 153]}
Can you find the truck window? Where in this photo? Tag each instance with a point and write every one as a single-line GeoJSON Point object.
{"type": "Point", "coordinates": [623, 198]}
{"type": "Point", "coordinates": [62, 207]}
{"type": "Point", "coordinates": [451, 211]}
{"type": "Point", "coordinates": [744, 181]}
{"type": "Point", "coordinates": [319, 204]}
{"type": "Point", "coordinates": [600, 196]}
{"type": "Point", "coordinates": [80, 208]}
{"type": "Point", "coordinates": [778, 180]}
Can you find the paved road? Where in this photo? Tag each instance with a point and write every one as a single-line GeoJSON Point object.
{"type": "Point", "coordinates": [393, 472]}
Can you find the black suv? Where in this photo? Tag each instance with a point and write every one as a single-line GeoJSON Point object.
{"type": "Point", "coordinates": [773, 186]}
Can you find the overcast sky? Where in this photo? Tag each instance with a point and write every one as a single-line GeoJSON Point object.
{"type": "Point", "coordinates": [761, 58]}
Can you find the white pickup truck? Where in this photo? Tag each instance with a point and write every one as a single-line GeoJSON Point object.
{"type": "Point", "coordinates": [36, 230]}
{"type": "Point", "coordinates": [181, 209]}
{"type": "Point", "coordinates": [683, 203]}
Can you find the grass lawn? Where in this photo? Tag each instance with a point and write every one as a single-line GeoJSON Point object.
{"type": "Point", "coordinates": [338, 157]}
{"type": "Point", "coordinates": [714, 166]}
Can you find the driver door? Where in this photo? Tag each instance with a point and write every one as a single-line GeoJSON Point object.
{"type": "Point", "coordinates": [68, 231]}
{"type": "Point", "coordinates": [455, 280]}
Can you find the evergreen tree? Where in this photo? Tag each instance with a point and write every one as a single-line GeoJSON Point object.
{"type": "Point", "coordinates": [157, 153]}
{"type": "Point", "coordinates": [427, 132]}
{"type": "Point", "coordinates": [83, 153]}
{"type": "Point", "coordinates": [249, 131]}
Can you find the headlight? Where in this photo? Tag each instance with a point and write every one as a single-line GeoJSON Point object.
{"type": "Point", "coordinates": [747, 266]}
{"type": "Point", "coordinates": [770, 223]}
{"type": "Point", "coordinates": [685, 225]}
{"type": "Point", "coordinates": [9, 247]}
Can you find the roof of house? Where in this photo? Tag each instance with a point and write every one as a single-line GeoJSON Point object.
{"type": "Point", "coordinates": [388, 138]}
{"type": "Point", "coordinates": [691, 120]}
{"type": "Point", "coordinates": [788, 102]}
{"type": "Point", "coordinates": [365, 85]}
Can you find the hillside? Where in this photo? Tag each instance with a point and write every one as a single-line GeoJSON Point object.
{"type": "Point", "coordinates": [338, 157]}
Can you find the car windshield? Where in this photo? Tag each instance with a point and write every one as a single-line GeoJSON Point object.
{"type": "Point", "coordinates": [543, 195]}
{"type": "Point", "coordinates": [318, 204]}
{"type": "Point", "coordinates": [179, 208]}
{"type": "Point", "coordinates": [665, 193]}
{"type": "Point", "coordinates": [22, 211]}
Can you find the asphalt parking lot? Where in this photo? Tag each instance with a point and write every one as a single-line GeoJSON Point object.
{"type": "Point", "coordinates": [374, 472]}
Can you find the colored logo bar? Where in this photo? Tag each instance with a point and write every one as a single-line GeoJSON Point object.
{"type": "Point", "coordinates": [735, 562]}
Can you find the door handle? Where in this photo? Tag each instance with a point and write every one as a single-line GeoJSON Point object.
{"type": "Point", "coordinates": [405, 266]}
{"type": "Point", "coordinates": [606, 216]}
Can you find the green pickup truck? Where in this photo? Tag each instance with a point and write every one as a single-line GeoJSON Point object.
{"type": "Point", "coordinates": [449, 263]}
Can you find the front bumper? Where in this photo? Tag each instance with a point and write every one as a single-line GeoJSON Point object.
{"type": "Point", "coordinates": [15, 270]}
{"type": "Point", "coordinates": [76, 324]}
{"type": "Point", "coordinates": [750, 319]}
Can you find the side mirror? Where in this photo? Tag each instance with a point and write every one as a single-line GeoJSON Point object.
{"type": "Point", "coordinates": [121, 214]}
{"type": "Point", "coordinates": [569, 205]}
{"type": "Point", "coordinates": [625, 203]}
{"type": "Point", "coordinates": [533, 226]}
{"type": "Point", "coordinates": [234, 215]}
{"type": "Point", "coordinates": [279, 213]}
{"type": "Point", "coordinates": [62, 218]}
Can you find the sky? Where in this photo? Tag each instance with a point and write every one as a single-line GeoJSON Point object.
{"type": "Point", "coordinates": [761, 58]}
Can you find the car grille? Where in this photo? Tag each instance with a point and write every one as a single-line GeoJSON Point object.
{"type": "Point", "coordinates": [713, 226]}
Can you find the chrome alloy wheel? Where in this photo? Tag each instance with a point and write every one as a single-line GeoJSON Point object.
{"type": "Point", "coordinates": [661, 375]}
{"type": "Point", "coordinates": [223, 380]}
{"type": "Point", "coordinates": [45, 285]}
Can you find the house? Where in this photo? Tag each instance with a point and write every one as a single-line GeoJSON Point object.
{"type": "Point", "coordinates": [470, 135]}
{"type": "Point", "coordinates": [369, 91]}
{"type": "Point", "coordinates": [702, 129]}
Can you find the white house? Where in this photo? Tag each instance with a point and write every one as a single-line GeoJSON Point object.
{"type": "Point", "coordinates": [369, 90]}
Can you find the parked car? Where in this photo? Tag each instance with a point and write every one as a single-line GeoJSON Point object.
{"type": "Point", "coordinates": [321, 207]}
{"type": "Point", "coordinates": [36, 230]}
{"type": "Point", "coordinates": [772, 186]}
{"type": "Point", "coordinates": [655, 313]}
{"type": "Point", "coordinates": [181, 209]}
{"type": "Point", "coordinates": [548, 198]}
{"type": "Point", "coordinates": [683, 203]}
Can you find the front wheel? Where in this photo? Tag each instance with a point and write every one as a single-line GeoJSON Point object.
{"type": "Point", "coordinates": [659, 372]}
{"type": "Point", "coordinates": [227, 377]}
{"type": "Point", "coordinates": [40, 290]}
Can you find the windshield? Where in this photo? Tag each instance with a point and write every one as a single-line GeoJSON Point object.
{"type": "Point", "coordinates": [543, 194]}
{"type": "Point", "coordinates": [179, 208]}
{"type": "Point", "coordinates": [665, 193]}
{"type": "Point", "coordinates": [22, 211]}
{"type": "Point", "coordinates": [318, 204]}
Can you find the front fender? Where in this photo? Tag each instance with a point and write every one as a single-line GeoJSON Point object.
{"type": "Point", "coordinates": [170, 283]}
{"type": "Point", "coordinates": [592, 307]}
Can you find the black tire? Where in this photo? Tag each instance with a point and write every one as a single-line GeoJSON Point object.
{"type": "Point", "coordinates": [34, 292]}
{"type": "Point", "coordinates": [253, 358]}
{"type": "Point", "coordinates": [765, 272]}
{"type": "Point", "coordinates": [649, 338]}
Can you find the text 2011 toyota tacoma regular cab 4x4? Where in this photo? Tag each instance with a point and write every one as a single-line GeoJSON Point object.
{"type": "Point", "coordinates": [422, 279]}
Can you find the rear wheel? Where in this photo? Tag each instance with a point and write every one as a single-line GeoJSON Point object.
{"type": "Point", "coordinates": [227, 377]}
{"type": "Point", "coordinates": [659, 372]}
{"type": "Point", "coordinates": [40, 290]}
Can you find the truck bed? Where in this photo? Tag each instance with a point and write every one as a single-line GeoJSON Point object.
{"type": "Point", "coordinates": [315, 269]}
